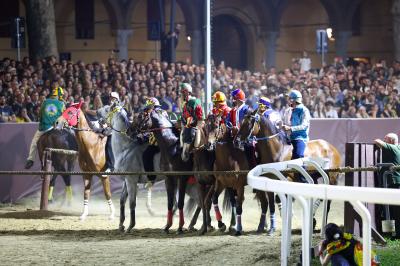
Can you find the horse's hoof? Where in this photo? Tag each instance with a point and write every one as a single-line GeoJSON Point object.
{"type": "Point", "coordinates": [180, 231]}
{"type": "Point", "coordinates": [192, 229]}
{"type": "Point", "coordinates": [260, 230]}
{"type": "Point", "coordinates": [238, 233]}
{"type": "Point", "coordinates": [121, 228]}
{"type": "Point", "coordinates": [129, 229]}
{"type": "Point", "coordinates": [271, 231]}
{"type": "Point", "coordinates": [166, 230]}
{"type": "Point", "coordinates": [221, 226]}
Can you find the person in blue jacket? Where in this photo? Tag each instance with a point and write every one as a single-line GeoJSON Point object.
{"type": "Point", "coordinates": [297, 124]}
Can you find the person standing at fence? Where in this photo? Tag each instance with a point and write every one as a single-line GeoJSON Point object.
{"type": "Point", "coordinates": [391, 154]}
{"type": "Point", "coordinates": [51, 109]}
{"type": "Point", "coordinates": [297, 125]}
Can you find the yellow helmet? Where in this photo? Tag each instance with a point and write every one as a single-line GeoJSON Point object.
{"type": "Point", "coordinates": [59, 92]}
{"type": "Point", "coordinates": [219, 97]}
{"type": "Point", "coordinates": [264, 102]}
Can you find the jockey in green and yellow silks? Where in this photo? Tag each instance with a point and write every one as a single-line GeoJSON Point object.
{"type": "Point", "coordinates": [50, 110]}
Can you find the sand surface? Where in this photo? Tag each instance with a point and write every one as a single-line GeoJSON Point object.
{"type": "Point", "coordinates": [29, 236]}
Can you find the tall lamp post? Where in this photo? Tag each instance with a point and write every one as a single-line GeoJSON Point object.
{"type": "Point", "coordinates": [208, 56]}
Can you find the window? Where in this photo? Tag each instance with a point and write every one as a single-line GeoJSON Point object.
{"type": "Point", "coordinates": [84, 19]}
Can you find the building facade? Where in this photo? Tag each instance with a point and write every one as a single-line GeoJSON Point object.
{"type": "Point", "coordinates": [251, 34]}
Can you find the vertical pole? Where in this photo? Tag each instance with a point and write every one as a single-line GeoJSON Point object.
{"type": "Point", "coordinates": [208, 57]}
{"type": "Point", "coordinates": [18, 40]}
{"type": "Point", "coordinates": [172, 30]}
{"type": "Point", "coordinates": [46, 182]}
{"type": "Point", "coordinates": [322, 47]}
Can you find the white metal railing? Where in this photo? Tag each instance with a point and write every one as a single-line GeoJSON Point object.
{"type": "Point", "coordinates": [305, 193]}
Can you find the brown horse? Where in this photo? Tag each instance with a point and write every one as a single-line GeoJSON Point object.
{"type": "Point", "coordinates": [59, 140]}
{"type": "Point", "coordinates": [91, 148]}
{"type": "Point", "coordinates": [227, 157]}
{"type": "Point", "coordinates": [271, 146]}
{"type": "Point", "coordinates": [203, 160]}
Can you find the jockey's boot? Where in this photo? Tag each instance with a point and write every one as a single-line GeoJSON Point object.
{"type": "Point", "coordinates": [28, 164]}
{"type": "Point", "coordinates": [50, 196]}
{"type": "Point", "coordinates": [68, 195]}
{"type": "Point", "coordinates": [272, 229]}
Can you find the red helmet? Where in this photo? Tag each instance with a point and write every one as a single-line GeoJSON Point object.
{"type": "Point", "coordinates": [238, 94]}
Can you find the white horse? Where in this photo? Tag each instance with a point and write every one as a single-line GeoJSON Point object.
{"type": "Point", "coordinates": [128, 158]}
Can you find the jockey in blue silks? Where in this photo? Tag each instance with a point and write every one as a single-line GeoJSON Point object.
{"type": "Point", "coordinates": [236, 117]}
{"type": "Point", "coordinates": [265, 109]}
{"type": "Point", "coordinates": [297, 124]}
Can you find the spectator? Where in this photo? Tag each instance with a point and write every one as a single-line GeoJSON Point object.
{"type": "Point", "coordinates": [6, 112]}
{"type": "Point", "coordinates": [22, 116]}
{"type": "Point", "coordinates": [305, 63]}
{"type": "Point", "coordinates": [330, 110]}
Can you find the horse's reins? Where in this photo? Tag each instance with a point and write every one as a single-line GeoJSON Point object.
{"type": "Point", "coordinates": [254, 138]}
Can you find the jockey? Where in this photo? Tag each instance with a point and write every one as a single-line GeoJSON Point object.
{"type": "Point", "coordinates": [192, 112]}
{"type": "Point", "coordinates": [220, 108]}
{"type": "Point", "coordinates": [51, 109]}
{"type": "Point", "coordinates": [265, 109]}
{"type": "Point", "coordinates": [148, 155]}
{"type": "Point", "coordinates": [236, 117]}
{"type": "Point", "coordinates": [106, 130]}
{"type": "Point", "coordinates": [239, 109]}
{"type": "Point", "coordinates": [297, 124]}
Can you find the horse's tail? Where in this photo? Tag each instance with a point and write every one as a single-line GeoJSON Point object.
{"type": "Point", "coordinates": [190, 206]}
{"type": "Point", "coordinates": [226, 203]}
{"type": "Point", "coordinates": [335, 163]}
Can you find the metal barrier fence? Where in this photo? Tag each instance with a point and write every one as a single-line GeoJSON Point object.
{"type": "Point", "coordinates": [305, 193]}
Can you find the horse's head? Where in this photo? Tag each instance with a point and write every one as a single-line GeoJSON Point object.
{"type": "Point", "coordinates": [215, 130]}
{"type": "Point", "coordinates": [114, 116]}
{"type": "Point", "coordinates": [69, 118]}
{"type": "Point", "coordinates": [249, 127]}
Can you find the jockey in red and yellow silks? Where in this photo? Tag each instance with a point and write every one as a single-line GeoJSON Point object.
{"type": "Point", "coordinates": [220, 108]}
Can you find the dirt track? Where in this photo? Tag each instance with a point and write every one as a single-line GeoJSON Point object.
{"type": "Point", "coordinates": [28, 236]}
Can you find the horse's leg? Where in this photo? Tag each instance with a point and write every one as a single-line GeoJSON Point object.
{"type": "Point", "coordinates": [208, 201]}
{"type": "Point", "coordinates": [181, 202]}
{"type": "Point", "coordinates": [203, 194]}
{"type": "Point", "coordinates": [194, 219]}
{"type": "Point", "coordinates": [131, 186]}
{"type": "Point", "coordinates": [107, 192]}
{"type": "Point", "coordinates": [122, 201]}
{"type": "Point", "coordinates": [170, 184]}
{"type": "Point", "coordinates": [217, 190]}
{"type": "Point", "coordinates": [51, 188]}
{"type": "Point", "coordinates": [232, 201]}
{"type": "Point", "coordinates": [68, 188]}
{"type": "Point", "coordinates": [271, 203]}
{"type": "Point", "coordinates": [87, 180]}
{"type": "Point", "coordinates": [239, 210]}
{"type": "Point", "coordinates": [262, 197]}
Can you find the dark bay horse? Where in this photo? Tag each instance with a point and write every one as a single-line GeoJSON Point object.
{"type": "Point", "coordinates": [227, 157]}
{"type": "Point", "coordinates": [56, 139]}
{"type": "Point", "coordinates": [171, 160]}
{"type": "Point", "coordinates": [203, 160]}
{"type": "Point", "coordinates": [91, 148]}
{"type": "Point", "coordinates": [271, 147]}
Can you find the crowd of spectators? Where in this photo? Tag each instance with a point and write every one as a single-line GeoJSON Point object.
{"type": "Point", "coordinates": [361, 90]}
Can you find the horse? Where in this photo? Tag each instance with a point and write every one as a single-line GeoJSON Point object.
{"type": "Point", "coordinates": [91, 154]}
{"type": "Point", "coordinates": [227, 157]}
{"type": "Point", "coordinates": [56, 139]}
{"type": "Point", "coordinates": [271, 147]}
{"type": "Point", "coordinates": [163, 130]}
{"type": "Point", "coordinates": [203, 159]}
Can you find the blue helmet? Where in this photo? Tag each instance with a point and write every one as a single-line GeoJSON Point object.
{"type": "Point", "coordinates": [296, 96]}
